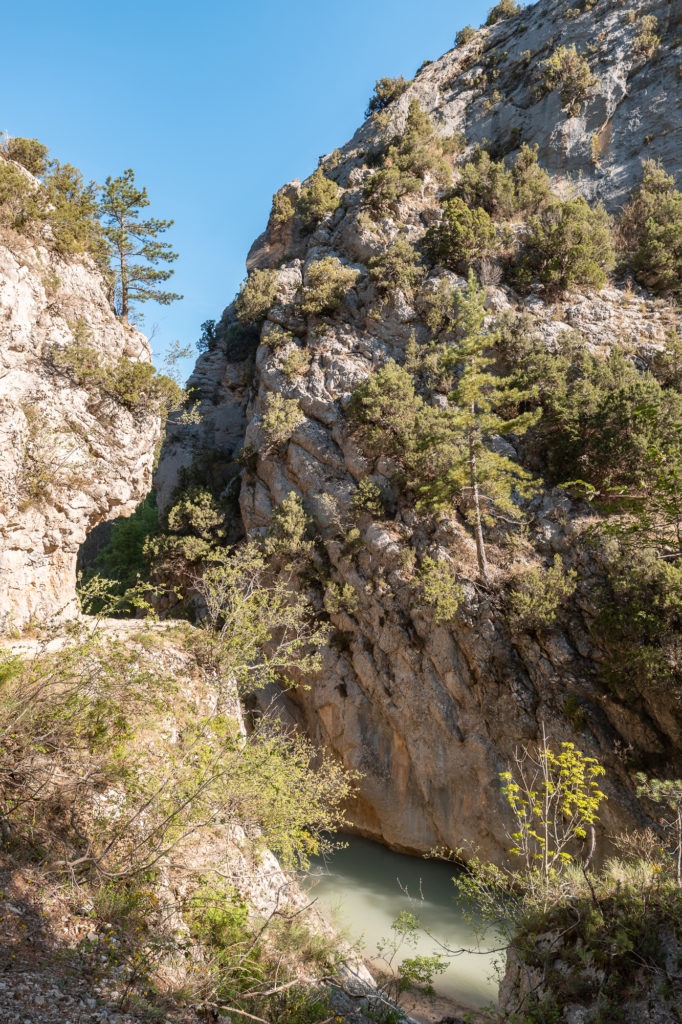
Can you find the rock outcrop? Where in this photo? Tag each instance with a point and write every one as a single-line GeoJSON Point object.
{"type": "Point", "coordinates": [430, 714]}
{"type": "Point", "coordinates": [72, 456]}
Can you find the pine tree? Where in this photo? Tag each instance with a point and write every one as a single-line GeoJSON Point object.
{"type": "Point", "coordinates": [133, 240]}
{"type": "Point", "coordinates": [454, 460]}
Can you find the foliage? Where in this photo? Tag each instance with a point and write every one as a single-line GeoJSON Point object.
{"type": "Point", "coordinates": [327, 282]}
{"type": "Point", "coordinates": [121, 559]}
{"type": "Point", "coordinates": [504, 9]}
{"type": "Point", "coordinates": [136, 385]}
{"type": "Point", "coordinates": [295, 362]}
{"type": "Point", "coordinates": [439, 589]}
{"type": "Point", "coordinates": [650, 229]}
{"type": "Point", "coordinates": [411, 972]}
{"type": "Point", "coordinates": [318, 198]}
{"type": "Point", "coordinates": [567, 245]}
{"type": "Point", "coordinates": [601, 417]}
{"type": "Point", "coordinates": [397, 269]}
{"type": "Point", "coordinates": [554, 799]}
{"type": "Point", "coordinates": [463, 236]}
{"type": "Point", "coordinates": [30, 153]}
{"type": "Point", "coordinates": [570, 71]}
{"type": "Point", "coordinates": [367, 500]}
{"type": "Point", "coordinates": [383, 411]}
{"type": "Point", "coordinates": [208, 341]}
{"type": "Point", "coordinates": [464, 35]}
{"type": "Point", "coordinates": [667, 793]}
{"type": "Point", "coordinates": [535, 601]}
{"type": "Point", "coordinates": [386, 90]}
{"type": "Point", "coordinates": [135, 245]}
{"type": "Point", "coordinates": [452, 461]}
{"type": "Point", "coordinates": [341, 599]}
{"type": "Point", "coordinates": [281, 417]}
{"type": "Point", "coordinates": [418, 152]}
{"type": "Point", "coordinates": [282, 210]}
{"type": "Point", "coordinates": [257, 294]}
{"type": "Point", "coordinates": [666, 363]}
{"type": "Point", "coordinates": [255, 633]}
{"type": "Point", "coordinates": [487, 183]}
{"type": "Point", "coordinates": [289, 535]}
{"type": "Point", "coordinates": [647, 39]}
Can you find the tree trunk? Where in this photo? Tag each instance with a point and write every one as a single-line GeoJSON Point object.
{"type": "Point", "coordinates": [478, 526]}
{"type": "Point", "coordinates": [124, 290]}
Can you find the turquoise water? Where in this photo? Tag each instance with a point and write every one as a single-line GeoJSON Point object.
{"type": "Point", "coordinates": [363, 887]}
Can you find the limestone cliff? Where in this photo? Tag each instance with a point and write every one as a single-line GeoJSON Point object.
{"type": "Point", "coordinates": [430, 714]}
{"type": "Point", "coordinates": [73, 455]}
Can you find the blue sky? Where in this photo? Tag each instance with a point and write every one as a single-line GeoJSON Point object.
{"type": "Point", "coordinates": [213, 104]}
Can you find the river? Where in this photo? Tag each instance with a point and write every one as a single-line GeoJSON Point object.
{"type": "Point", "coordinates": [363, 887]}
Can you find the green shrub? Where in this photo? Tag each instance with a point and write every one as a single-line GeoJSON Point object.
{"type": "Point", "coordinates": [439, 589]}
{"type": "Point", "coordinates": [666, 364]}
{"type": "Point", "coordinates": [502, 192]}
{"type": "Point", "coordinates": [386, 90]}
{"type": "Point", "coordinates": [536, 599]}
{"type": "Point", "coordinates": [650, 230]}
{"type": "Point", "coordinates": [280, 418]}
{"type": "Point", "coordinates": [504, 9]}
{"type": "Point", "coordinates": [290, 530]}
{"type": "Point", "coordinates": [320, 197]}
{"type": "Point", "coordinates": [327, 282]}
{"type": "Point", "coordinates": [295, 362]}
{"type": "Point", "coordinates": [122, 559]}
{"type": "Point", "coordinates": [464, 35]}
{"type": "Point", "coordinates": [567, 245]}
{"type": "Point", "coordinates": [277, 338]}
{"type": "Point", "coordinates": [416, 153]}
{"type": "Point", "coordinates": [209, 337]}
{"type": "Point", "coordinates": [398, 269]}
{"type": "Point", "coordinates": [22, 206]}
{"type": "Point", "coordinates": [282, 210]}
{"type": "Point", "coordinates": [342, 599]}
{"type": "Point", "coordinates": [367, 500]}
{"type": "Point", "coordinates": [30, 153]}
{"type": "Point", "coordinates": [383, 411]}
{"type": "Point", "coordinates": [647, 40]}
{"type": "Point", "coordinates": [257, 294]}
{"type": "Point", "coordinates": [462, 237]}
{"type": "Point", "coordinates": [569, 71]}
{"type": "Point", "coordinates": [73, 213]}
{"type": "Point", "coordinates": [601, 417]}
{"type": "Point", "coordinates": [135, 385]}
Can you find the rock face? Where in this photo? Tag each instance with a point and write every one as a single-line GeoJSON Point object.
{"type": "Point", "coordinates": [430, 714]}
{"type": "Point", "coordinates": [71, 456]}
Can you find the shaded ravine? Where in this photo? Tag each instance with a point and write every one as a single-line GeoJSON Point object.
{"type": "Point", "coordinates": [363, 888]}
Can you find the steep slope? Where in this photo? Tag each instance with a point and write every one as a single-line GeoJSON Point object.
{"type": "Point", "coordinates": [430, 712]}
{"type": "Point", "coordinates": [74, 452]}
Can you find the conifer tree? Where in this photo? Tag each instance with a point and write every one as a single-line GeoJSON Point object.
{"type": "Point", "coordinates": [136, 250]}
{"type": "Point", "coordinates": [454, 460]}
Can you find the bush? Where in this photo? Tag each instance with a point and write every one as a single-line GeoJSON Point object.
{"type": "Point", "coordinates": [383, 411]}
{"type": "Point", "coordinates": [439, 589]}
{"type": "Point", "coordinates": [386, 90]}
{"type": "Point", "coordinates": [504, 9]}
{"type": "Point", "coordinates": [570, 71]}
{"type": "Point", "coordinates": [280, 418]}
{"type": "Point", "coordinates": [277, 338]}
{"type": "Point", "coordinates": [487, 183]}
{"type": "Point", "coordinates": [209, 337]}
{"type": "Point", "coordinates": [30, 153]}
{"type": "Point", "coordinates": [282, 210]}
{"type": "Point", "coordinates": [320, 197]}
{"type": "Point", "coordinates": [367, 500]}
{"type": "Point", "coordinates": [601, 417]}
{"type": "Point", "coordinates": [536, 599]}
{"type": "Point", "coordinates": [567, 245]}
{"type": "Point", "coordinates": [327, 282]}
{"type": "Point", "coordinates": [650, 230]}
{"type": "Point", "coordinates": [464, 35]}
{"type": "Point", "coordinates": [135, 385]}
{"type": "Point", "coordinates": [257, 294]}
{"type": "Point", "coordinates": [398, 269]}
{"type": "Point", "coordinates": [408, 160]}
{"type": "Point", "coordinates": [289, 533]}
{"type": "Point", "coordinates": [462, 237]}
{"type": "Point", "coordinates": [121, 559]}
{"type": "Point", "coordinates": [647, 40]}
{"type": "Point", "coordinates": [295, 362]}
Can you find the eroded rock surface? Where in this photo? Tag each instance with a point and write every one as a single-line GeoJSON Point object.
{"type": "Point", "coordinates": [71, 456]}
{"type": "Point", "coordinates": [430, 714]}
